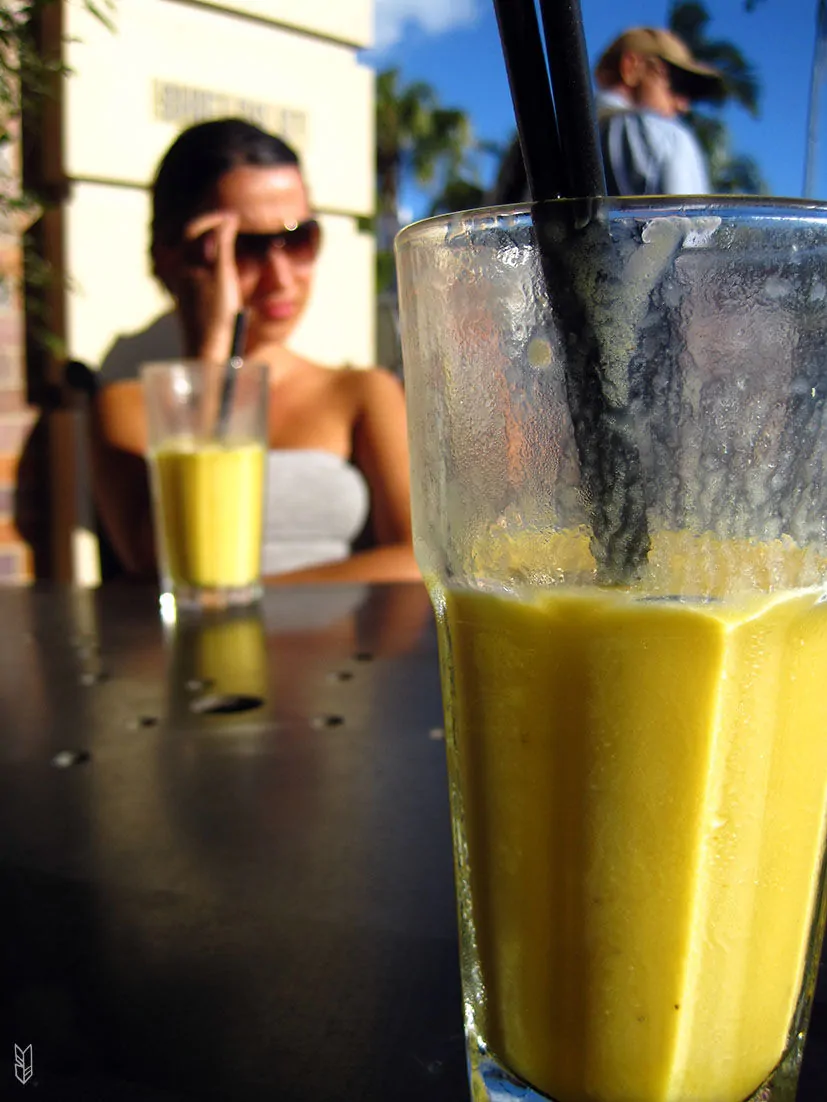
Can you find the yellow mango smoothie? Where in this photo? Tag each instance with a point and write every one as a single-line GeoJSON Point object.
{"type": "Point", "coordinates": [210, 501]}
{"type": "Point", "coordinates": [641, 788]}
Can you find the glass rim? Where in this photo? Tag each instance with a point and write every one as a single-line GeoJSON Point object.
{"type": "Point", "coordinates": [639, 205]}
{"type": "Point", "coordinates": [186, 364]}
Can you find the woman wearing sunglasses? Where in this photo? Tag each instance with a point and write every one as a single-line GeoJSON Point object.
{"type": "Point", "coordinates": [232, 230]}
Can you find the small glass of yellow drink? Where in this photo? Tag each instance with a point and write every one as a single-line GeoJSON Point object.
{"type": "Point", "coordinates": [207, 449]}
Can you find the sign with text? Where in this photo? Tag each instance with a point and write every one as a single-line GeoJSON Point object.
{"type": "Point", "coordinates": [184, 104]}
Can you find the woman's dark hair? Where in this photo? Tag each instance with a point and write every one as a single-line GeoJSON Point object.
{"type": "Point", "coordinates": [196, 161]}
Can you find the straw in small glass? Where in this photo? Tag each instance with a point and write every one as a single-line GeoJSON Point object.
{"type": "Point", "coordinates": [225, 404]}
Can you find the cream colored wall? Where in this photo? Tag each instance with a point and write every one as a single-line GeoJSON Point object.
{"type": "Point", "coordinates": [169, 63]}
{"type": "Point", "coordinates": [350, 20]}
{"type": "Point", "coordinates": [112, 290]}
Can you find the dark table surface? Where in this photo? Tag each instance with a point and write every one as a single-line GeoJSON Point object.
{"type": "Point", "coordinates": [225, 858]}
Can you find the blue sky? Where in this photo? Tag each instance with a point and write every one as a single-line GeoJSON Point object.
{"type": "Point", "coordinates": [453, 45]}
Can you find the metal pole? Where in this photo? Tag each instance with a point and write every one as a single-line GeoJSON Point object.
{"type": "Point", "coordinates": [816, 80]}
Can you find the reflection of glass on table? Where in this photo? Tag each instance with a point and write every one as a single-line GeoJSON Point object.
{"type": "Point", "coordinates": [217, 676]}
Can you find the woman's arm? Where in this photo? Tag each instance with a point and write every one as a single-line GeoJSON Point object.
{"type": "Point", "coordinates": [393, 563]}
{"type": "Point", "coordinates": [207, 287]}
{"type": "Point", "coordinates": [380, 451]}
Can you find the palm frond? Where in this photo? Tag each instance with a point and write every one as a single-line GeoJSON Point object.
{"type": "Point", "coordinates": [729, 172]}
{"type": "Point", "coordinates": [690, 20]}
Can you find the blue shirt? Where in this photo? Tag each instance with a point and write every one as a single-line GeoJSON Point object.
{"type": "Point", "coordinates": [647, 154]}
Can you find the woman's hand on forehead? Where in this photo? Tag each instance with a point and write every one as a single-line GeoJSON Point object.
{"type": "Point", "coordinates": [205, 235]}
{"type": "Point", "coordinates": [208, 287]}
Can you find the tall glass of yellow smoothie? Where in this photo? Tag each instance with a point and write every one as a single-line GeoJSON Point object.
{"type": "Point", "coordinates": [619, 460]}
{"type": "Point", "coordinates": [207, 438]}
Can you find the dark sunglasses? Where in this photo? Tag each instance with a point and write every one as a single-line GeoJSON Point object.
{"type": "Point", "coordinates": [301, 243]}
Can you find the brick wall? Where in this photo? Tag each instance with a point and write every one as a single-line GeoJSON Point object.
{"type": "Point", "coordinates": [17, 420]}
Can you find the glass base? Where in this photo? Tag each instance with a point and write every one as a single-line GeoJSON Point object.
{"type": "Point", "coordinates": [490, 1082]}
{"type": "Point", "coordinates": [197, 598]}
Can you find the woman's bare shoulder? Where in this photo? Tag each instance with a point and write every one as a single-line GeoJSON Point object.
{"type": "Point", "coordinates": [352, 385]}
{"type": "Point", "coordinates": [370, 382]}
{"type": "Point", "coordinates": [121, 415]}
{"type": "Point", "coordinates": [123, 388]}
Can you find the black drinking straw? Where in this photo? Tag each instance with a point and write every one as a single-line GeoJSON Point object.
{"type": "Point", "coordinates": [558, 136]}
{"type": "Point", "coordinates": [555, 114]}
{"type": "Point", "coordinates": [230, 373]}
{"type": "Point", "coordinates": [531, 96]}
{"type": "Point", "coordinates": [568, 64]}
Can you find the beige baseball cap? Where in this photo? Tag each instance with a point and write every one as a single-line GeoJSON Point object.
{"type": "Point", "coordinates": [702, 81]}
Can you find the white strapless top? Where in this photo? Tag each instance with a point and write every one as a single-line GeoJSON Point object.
{"type": "Point", "coordinates": [316, 505]}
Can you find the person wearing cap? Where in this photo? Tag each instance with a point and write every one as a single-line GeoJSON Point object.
{"type": "Point", "coordinates": [646, 79]}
